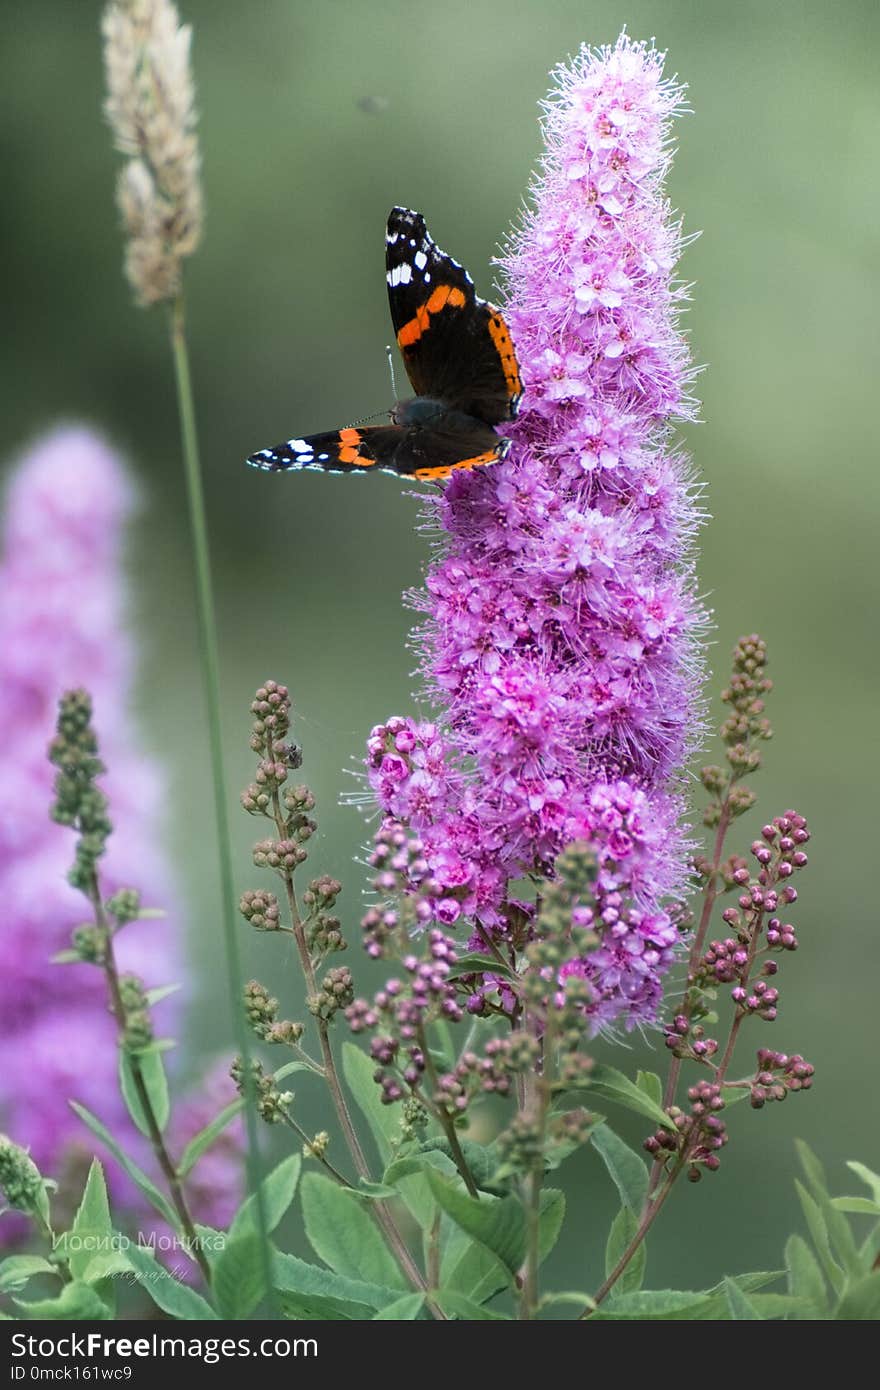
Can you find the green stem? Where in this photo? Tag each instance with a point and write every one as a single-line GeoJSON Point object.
{"type": "Point", "coordinates": [207, 627]}
{"type": "Point", "coordinates": [325, 1162]}
{"type": "Point", "coordinates": [445, 1120]}
{"type": "Point", "coordinates": [710, 893]}
{"type": "Point", "coordinates": [157, 1142]}
{"type": "Point", "coordinates": [649, 1216]}
{"type": "Point", "coordinates": [533, 1232]}
{"type": "Point", "coordinates": [536, 1103]}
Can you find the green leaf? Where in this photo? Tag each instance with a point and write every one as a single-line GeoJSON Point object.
{"type": "Point", "coordinates": [417, 1163]}
{"type": "Point", "coordinates": [861, 1302]}
{"type": "Point", "coordinates": [375, 1191]}
{"type": "Point", "coordinates": [137, 1175]}
{"type": "Point", "coordinates": [404, 1309]}
{"type": "Point", "coordinates": [551, 1217]}
{"type": "Point", "coordinates": [289, 1068]}
{"type": "Point", "coordinates": [611, 1084]}
{"type": "Point", "coordinates": [740, 1307]}
{"type": "Point", "coordinates": [167, 1292]}
{"type": "Point", "coordinates": [205, 1137]}
{"type": "Point", "coordinates": [152, 1070]}
{"type": "Point", "coordinates": [469, 1267]}
{"type": "Point", "coordinates": [293, 1276]}
{"type": "Point", "coordinates": [805, 1277]}
{"type": "Point", "coordinates": [382, 1119]}
{"type": "Point", "coordinates": [569, 1297]}
{"type": "Point", "coordinates": [837, 1229]}
{"type": "Point", "coordinates": [477, 962]}
{"type": "Point", "coordinates": [856, 1206]}
{"type": "Point", "coordinates": [155, 996]}
{"type": "Point", "coordinates": [683, 1305]}
{"type": "Point", "coordinates": [629, 1173]}
{"type": "Point", "coordinates": [157, 1045]}
{"type": "Point", "coordinates": [815, 1173]}
{"type": "Point", "coordinates": [278, 1190]}
{"type": "Point", "coordinates": [498, 1223]}
{"type": "Point", "coordinates": [239, 1280]}
{"type": "Point", "coordinates": [77, 1302]}
{"type": "Point", "coordinates": [623, 1228]}
{"type": "Point", "coordinates": [343, 1233]}
{"type": "Point", "coordinates": [445, 1047]}
{"type": "Point", "coordinates": [104, 1266]}
{"type": "Point", "coordinates": [871, 1179]}
{"type": "Point", "coordinates": [842, 1239]}
{"type": "Point", "coordinates": [16, 1270]}
{"type": "Point", "coordinates": [456, 1305]}
{"type": "Point", "coordinates": [67, 957]}
{"type": "Point", "coordinates": [92, 1227]}
{"type": "Point", "coordinates": [650, 1085]}
{"type": "Point", "coordinates": [481, 1160]}
{"type": "Point", "coordinates": [819, 1233]}
{"type": "Point", "coordinates": [313, 1308]}
{"type": "Point", "coordinates": [384, 1124]}
{"type": "Point", "coordinates": [645, 1305]}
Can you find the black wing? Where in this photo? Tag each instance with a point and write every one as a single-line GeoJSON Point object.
{"type": "Point", "coordinates": [455, 346]}
{"type": "Point", "coordinates": [410, 451]}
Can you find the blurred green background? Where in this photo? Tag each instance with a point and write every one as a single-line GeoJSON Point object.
{"type": "Point", "coordinates": [288, 319]}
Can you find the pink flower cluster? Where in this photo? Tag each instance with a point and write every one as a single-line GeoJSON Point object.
{"type": "Point", "coordinates": [561, 618]}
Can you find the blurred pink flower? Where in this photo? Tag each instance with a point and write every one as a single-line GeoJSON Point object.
{"type": "Point", "coordinates": [62, 624]}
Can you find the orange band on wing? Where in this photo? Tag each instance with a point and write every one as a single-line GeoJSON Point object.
{"type": "Point", "coordinates": [350, 439]}
{"type": "Point", "coordinates": [504, 347]}
{"type": "Point", "coordinates": [444, 470]}
{"type": "Point", "coordinates": [350, 455]}
{"type": "Point", "coordinates": [442, 297]}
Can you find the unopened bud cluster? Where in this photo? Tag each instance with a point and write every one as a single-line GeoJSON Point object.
{"type": "Point", "coordinates": [138, 1028]}
{"type": "Point", "coordinates": [697, 1136]}
{"type": "Point", "coordinates": [21, 1183]}
{"type": "Point", "coordinates": [741, 731]}
{"type": "Point", "coordinates": [323, 929]}
{"type": "Point", "coordinates": [336, 992]}
{"type": "Point", "coordinates": [79, 801]}
{"type": "Point", "coordinates": [261, 1011]}
{"type": "Point", "coordinates": [777, 1074]}
{"type": "Point", "coordinates": [271, 1103]}
{"type": "Point", "coordinates": [261, 910]}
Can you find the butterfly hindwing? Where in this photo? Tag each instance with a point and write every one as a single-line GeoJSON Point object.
{"type": "Point", "coordinates": [455, 346]}
{"type": "Point", "coordinates": [429, 453]}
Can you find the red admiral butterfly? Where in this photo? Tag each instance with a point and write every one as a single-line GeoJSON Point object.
{"type": "Point", "coordinates": [459, 358]}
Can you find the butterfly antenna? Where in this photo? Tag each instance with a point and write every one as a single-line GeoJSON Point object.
{"type": "Point", "coordinates": [391, 370]}
{"type": "Point", "coordinates": [365, 419]}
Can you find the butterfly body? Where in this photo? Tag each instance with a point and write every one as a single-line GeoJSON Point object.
{"type": "Point", "coordinates": [460, 361]}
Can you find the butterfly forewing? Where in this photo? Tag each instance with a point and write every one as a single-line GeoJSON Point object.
{"type": "Point", "coordinates": [455, 346]}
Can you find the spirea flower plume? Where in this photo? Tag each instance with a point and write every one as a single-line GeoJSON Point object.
{"type": "Point", "coordinates": [62, 624]}
{"type": "Point", "coordinates": [559, 642]}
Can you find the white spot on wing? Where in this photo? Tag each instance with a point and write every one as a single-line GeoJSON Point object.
{"type": "Point", "coordinates": [400, 275]}
{"type": "Point", "coordinates": [420, 259]}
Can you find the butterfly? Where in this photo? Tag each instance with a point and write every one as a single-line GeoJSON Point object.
{"type": "Point", "coordinates": [460, 361]}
